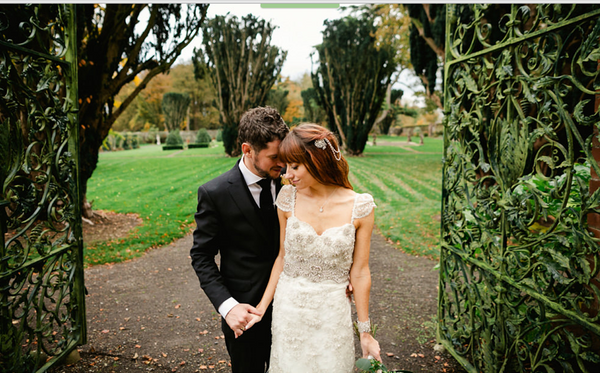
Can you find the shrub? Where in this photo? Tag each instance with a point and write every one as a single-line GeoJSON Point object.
{"type": "Point", "coordinates": [203, 137]}
{"type": "Point", "coordinates": [126, 145]}
{"type": "Point", "coordinates": [174, 141]}
{"type": "Point", "coordinates": [135, 141]}
{"type": "Point", "coordinates": [174, 138]}
{"type": "Point", "coordinates": [113, 141]}
{"type": "Point", "coordinates": [219, 136]}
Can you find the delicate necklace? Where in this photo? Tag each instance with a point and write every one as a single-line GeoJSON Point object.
{"type": "Point", "coordinates": [327, 200]}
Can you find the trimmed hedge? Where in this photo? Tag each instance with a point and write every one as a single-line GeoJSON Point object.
{"type": "Point", "coordinates": [172, 147]}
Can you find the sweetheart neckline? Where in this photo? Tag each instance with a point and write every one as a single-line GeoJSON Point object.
{"type": "Point", "coordinates": [322, 233]}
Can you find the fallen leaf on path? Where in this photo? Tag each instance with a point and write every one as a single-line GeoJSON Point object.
{"type": "Point", "coordinates": [421, 355]}
{"type": "Point", "coordinates": [164, 355]}
{"type": "Point", "coordinates": [106, 331]}
{"type": "Point", "coordinates": [437, 357]}
{"type": "Point", "coordinates": [138, 346]}
{"type": "Point", "coordinates": [182, 363]}
{"type": "Point", "coordinates": [203, 367]}
{"type": "Point", "coordinates": [200, 350]}
{"type": "Point", "coordinates": [197, 319]}
{"type": "Point", "coordinates": [413, 355]}
{"type": "Point", "coordinates": [204, 332]}
{"type": "Point", "coordinates": [390, 354]}
{"type": "Point", "coordinates": [177, 306]}
{"type": "Point", "coordinates": [135, 356]}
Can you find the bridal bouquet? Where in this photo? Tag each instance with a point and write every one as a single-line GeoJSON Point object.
{"type": "Point", "coordinates": [374, 366]}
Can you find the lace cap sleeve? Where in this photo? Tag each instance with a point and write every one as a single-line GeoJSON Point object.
{"type": "Point", "coordinates": [363, 206]}
{"type": "Point", "coordinates": [285, 198]}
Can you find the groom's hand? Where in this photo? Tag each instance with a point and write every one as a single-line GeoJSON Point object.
{"type": "Point", "coordinates": [349, 292]}
{"type": "Point", "coordinates": [239, 316]}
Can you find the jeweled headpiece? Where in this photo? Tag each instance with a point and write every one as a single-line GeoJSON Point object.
{"type": "Point", "coordinates": [322, 144]}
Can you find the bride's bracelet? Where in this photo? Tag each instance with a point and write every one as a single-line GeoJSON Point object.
{"type": "Point", "coordinates": [364, 326]}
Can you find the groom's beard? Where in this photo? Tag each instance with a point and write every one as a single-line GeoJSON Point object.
{"type": "Point", "coordinates": [265, 174]}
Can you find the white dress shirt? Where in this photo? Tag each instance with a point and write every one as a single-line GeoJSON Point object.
{"type": "Point", "coordinates": [251, 181]}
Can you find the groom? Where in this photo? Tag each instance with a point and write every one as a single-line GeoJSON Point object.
{"type": "Point", "coordinates": [236, 218]}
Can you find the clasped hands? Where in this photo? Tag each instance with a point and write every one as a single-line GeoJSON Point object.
{"type": "Point", "coordinates": [241, 318]}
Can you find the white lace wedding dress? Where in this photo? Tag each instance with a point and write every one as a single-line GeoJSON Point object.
{"type": "Point", "coordinates": [312, 325]}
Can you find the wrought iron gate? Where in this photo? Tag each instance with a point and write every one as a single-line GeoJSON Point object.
{"type": "Point", "coordinates": [42, 309]}
{"type": "Point", "coordinates": [520, 266]}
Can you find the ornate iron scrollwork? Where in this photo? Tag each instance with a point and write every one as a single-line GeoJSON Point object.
{"type": "Point", "coordinates": [519, 270]}
{"type": "Point", "coordinates": [41, 269]}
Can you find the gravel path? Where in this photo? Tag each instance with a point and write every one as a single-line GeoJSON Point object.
{"type": "Point", "coordinates": [149, 314]}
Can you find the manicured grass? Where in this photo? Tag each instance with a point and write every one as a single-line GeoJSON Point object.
{"type": "Point", "coordinates": [407, 191]}
{"type": "Point", "coordinates": [161, 186]}
{"type": "Point", "coordinates": [401, 145]}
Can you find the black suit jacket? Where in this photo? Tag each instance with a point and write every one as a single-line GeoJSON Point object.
{"type": "Point", "coordinates": [228, 222]}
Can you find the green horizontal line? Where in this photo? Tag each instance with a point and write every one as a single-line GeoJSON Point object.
{"type": "Point", "coordinates": [299, 5]}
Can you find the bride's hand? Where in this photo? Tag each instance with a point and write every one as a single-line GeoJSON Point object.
{"type": "Point", "coordinates": [253, 320]}
{"type": "Point", "coordinates": [370, 346]}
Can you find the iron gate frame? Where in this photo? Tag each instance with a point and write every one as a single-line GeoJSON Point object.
{"type": "Point", "coordinates": [514, 294]}
{"type": "Point", "coordinates": [42, 291]}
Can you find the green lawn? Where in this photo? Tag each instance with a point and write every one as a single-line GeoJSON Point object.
{"type": "Point", "coordinates": [161, 186]}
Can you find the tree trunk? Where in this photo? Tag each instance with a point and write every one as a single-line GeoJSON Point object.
{"type": "Point", "coordinates": [90, 142]}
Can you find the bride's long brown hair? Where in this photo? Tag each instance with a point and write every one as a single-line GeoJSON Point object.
{"type": "Point", "coordinates": [299, 147]}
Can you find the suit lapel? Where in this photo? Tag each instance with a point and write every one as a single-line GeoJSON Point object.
{"type": "Point", "coordinates": [277, 186]}
{"type": "Point", "coordinates": [241, 196]}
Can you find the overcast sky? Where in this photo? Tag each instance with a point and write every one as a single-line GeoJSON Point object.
{"type": "Point", "coordinates": [299, 29]}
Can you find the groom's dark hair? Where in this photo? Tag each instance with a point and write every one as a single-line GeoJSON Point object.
{"type": "Point", "coordinates": [260, 126]}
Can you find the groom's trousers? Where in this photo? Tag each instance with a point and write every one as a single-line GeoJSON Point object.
{"type": "Point", "coordinates": [251, 351]}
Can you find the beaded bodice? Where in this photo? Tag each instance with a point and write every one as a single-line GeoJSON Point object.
{"type": "Point", "coordinates": [323, 257]}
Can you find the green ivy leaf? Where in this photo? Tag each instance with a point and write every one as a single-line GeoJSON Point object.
{"type": "Point", "coordinates": [567, 367]}
{"type": "Point", "coordinates": [363, 364]}
{"type": "Point", "coordinates": [470, 82]}
{"type": "Point", "coordinates": [590, 356]}
{"type": "Point", "coordinates": [582, 118]}
{"type": "Point", "coordinates": [593, 56]}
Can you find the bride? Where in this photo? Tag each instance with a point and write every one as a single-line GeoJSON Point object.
{"type": "Point", "coordinates": [325, 241]}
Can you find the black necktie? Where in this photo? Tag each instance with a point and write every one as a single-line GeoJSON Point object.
{"type": "Point", "coordinates": [266, 198]}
